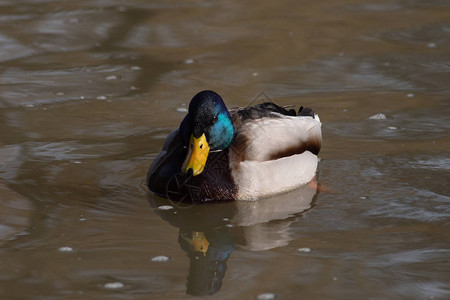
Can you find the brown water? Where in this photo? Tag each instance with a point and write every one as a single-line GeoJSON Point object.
{"type": "Point", "coordinates": [90, 89]}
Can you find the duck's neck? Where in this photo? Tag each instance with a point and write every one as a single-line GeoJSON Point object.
{"type": "Point", "coordinates": [222, 133]}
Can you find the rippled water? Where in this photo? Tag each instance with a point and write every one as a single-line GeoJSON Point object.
{"type": "Point", "coordinates": [90, 89]}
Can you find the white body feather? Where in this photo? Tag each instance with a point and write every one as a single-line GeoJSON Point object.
{"type": "Point", "coordinates": [259, 176]}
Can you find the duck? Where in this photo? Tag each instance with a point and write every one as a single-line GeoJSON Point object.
{"type": "Point", "coordinates": [241, 153]}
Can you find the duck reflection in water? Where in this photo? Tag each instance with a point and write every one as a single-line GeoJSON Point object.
{"type": "Point", "coordinates": [208, 253]}
{"type": "Point", "coordinates": [209, 233]}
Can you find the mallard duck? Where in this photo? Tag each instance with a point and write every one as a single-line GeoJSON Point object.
{"type": "Point", "coordinates": [237, 154]}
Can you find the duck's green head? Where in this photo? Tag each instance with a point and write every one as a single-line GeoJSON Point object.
{"type": "Point", "coordinates": [207, 126]}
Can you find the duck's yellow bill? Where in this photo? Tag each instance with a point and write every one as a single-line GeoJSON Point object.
{"type": "Point", "coordinates": [199, 242]}
{"type": "Point", "coordinates": [197, 155]}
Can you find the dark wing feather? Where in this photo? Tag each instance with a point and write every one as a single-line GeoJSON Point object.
{"type": "Point", "coordinates": [242, 114]}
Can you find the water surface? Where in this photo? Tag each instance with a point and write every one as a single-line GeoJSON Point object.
{"type": "Point", "coordinates": [90, 89]}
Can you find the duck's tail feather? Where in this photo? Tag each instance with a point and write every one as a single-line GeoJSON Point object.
{"type": "Point", "coordinates": [305, 111]}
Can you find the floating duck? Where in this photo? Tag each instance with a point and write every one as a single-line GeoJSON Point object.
{"type": "Point", "coordinates": [238, 154]}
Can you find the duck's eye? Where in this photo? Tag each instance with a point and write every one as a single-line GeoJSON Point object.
{"type": "Point", "coordinates": [201, 146]}
{"type": "Point", "coordinates": [215, 118]}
